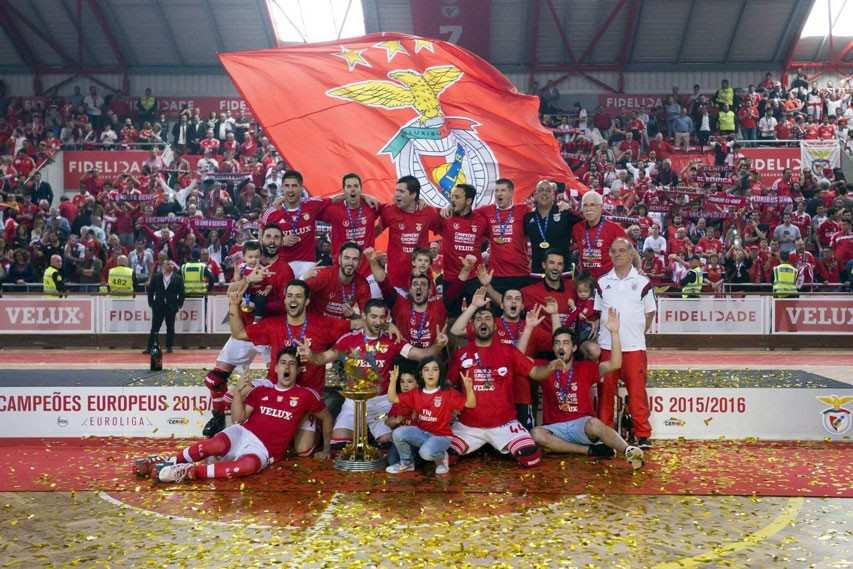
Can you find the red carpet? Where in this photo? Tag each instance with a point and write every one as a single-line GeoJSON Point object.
{"type": "Point", "coordinates": [815, 469]}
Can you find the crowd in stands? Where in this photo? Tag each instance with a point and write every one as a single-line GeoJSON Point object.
{"type": "Point", "coordinates": [717, 212]}
{"type": "Point", "coordinates": [718, 209]}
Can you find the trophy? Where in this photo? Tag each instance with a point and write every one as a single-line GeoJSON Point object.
{"type": "Point", "coordinates": [360, 383]}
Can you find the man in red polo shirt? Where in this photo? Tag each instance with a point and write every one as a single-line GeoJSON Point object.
{"type": "Point", "coordinates": [297, 218]}
{"type": "Point", "coordinates": [593, 238]}
{"type": "Point", "coordinates": [408, 226]}
{"type": "Point", "coordinates": [508, 257]}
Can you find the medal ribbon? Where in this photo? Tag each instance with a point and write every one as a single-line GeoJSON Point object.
{"type": "Point", "coordinates": [563, 388]}
{"type": "Point", "coordinates": [504, 224]}
{"type": "Point", "coordinates": [420, 326]}
{"type": "Point", "coordinates": [588, 243]}
{"type": "Point", "coordinates": [294, 220]}
{"type": "Point", "coordinates": [290, 335]}
{"type": "Point", "coordinates": [542, 231]}
{"type": "Point", "coordinates": [509, 331]}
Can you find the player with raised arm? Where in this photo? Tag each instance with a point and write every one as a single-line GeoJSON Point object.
{"type": "Point", "coordinates": [570, 425]}
{"type": "Point", "coordinates": [265, 423]}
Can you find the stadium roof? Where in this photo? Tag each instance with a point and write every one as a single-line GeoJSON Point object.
{"type": "Point", "coordinates": [574, 36]}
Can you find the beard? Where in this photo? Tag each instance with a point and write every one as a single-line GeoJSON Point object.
{"type": "Point", "coordinates": [269, 250]}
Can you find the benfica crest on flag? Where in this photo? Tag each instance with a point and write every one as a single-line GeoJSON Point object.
{"type": "Point", "coordinates": [389, 105]}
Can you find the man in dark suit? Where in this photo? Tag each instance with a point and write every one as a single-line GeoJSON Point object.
{"type": "Point", "coordinates": [196, 132]}
{"type": "Point", "coordinates": [165, 297]}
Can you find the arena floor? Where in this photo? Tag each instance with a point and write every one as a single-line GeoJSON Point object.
{"type": "Point", "coordinates": [696, 504]}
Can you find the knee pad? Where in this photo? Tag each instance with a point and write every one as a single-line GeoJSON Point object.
{"type": "Point", "coordinates": [216, 380]}
{"type": "Point", "coordinates": [528, 456]}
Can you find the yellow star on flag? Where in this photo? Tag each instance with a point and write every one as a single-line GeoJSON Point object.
{"type": "Point", "coordinates": [392, 48]}
{"type": "Point", "coordinates": [353, 57]}
{"type": "Point", "coordinates": [423, 44]}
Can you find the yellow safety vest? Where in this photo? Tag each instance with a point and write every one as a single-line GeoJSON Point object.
{"type": "Point", "coordinates": [120, 280]}
{"type": "Point", "coordinates": [694, 288]}
{"type": "Point", "coordinates": [195, 284]}
{"type": "Point", "coordinates": [147, 103]}
{"type": "Point", "coordinates": [726, 96]}
{"type": "Point", "coordinates": [727, 120]}
{"type": "Point", "coordinates": [784, 280]}
{"type": "Point", "coordinates": [47, 282]}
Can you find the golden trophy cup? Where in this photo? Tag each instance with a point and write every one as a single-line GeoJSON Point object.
{"type": "Point", "coordinates": [361, 382]}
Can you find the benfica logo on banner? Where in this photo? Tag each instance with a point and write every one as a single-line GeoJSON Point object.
{"type": "Point", "coordinates": [389, 105]}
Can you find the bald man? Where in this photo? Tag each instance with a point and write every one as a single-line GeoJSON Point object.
{"type": "Point", "coordinates": [120, 278]}
{"type": "Point", "coordinates": [53, 282]}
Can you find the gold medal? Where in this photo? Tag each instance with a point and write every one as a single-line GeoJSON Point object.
{"type": "Point", "coordinates": [500, 240]}
{"type": "Point", "coordinates": [544, 245]}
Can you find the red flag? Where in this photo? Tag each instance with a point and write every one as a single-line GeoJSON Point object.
{"type": "Point", "coordinates": [388, 105]}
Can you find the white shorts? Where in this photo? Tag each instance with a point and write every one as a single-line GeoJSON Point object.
{"type": "Point", "coordinates": [505, 438]}
{"type": "Point", "coordinates": [241, 353]}
{"type": "Point", "coordinates": [243, 442]}
{"type": "Point", "coordinates": [300, 268]}
{"type": "Point", "coordinates": [376, 408]}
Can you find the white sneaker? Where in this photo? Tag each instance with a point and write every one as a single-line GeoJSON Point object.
{"type": "Point", "coordinates": [400, 467]}
{"type": "Point", "coordinates": [634, 456]}
{"type": "Point", "coordinates": [442, 465]}
{"type": "Point", "coordinates": [174, 472]}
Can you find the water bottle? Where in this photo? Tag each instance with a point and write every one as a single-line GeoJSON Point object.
{"type": "Point", "coordinates": [156, 357]}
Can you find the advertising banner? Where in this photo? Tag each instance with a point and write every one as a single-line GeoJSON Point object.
{"type": "Point", "coordinates": [205, 105]}
{"type": "Point", "coordinates": [149, 411]}
{"type": "Point", "coordinates": [770, 162]}
{"type": "Point", "coordinates": [616, 104]}
{"type": "Point", "coordinates": [713, 315]}
{"type": "Point", "coordinates": [133, 316]}
{"type": "Point", "coordinates": [769, 414]}
{"type": "Point", "coordinates": [217, 315]}
{"type": "Point", "coordinates": [110, 163]}
{"type": "Point", "coordinates": [34, 315]}
{"type": "Point", "coordinates": [463, 22]}
{"type": "Point", "coordinates": [819, 315]}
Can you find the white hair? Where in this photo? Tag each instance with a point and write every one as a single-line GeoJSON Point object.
{"type": "Point", "coordinates": [591, 197]}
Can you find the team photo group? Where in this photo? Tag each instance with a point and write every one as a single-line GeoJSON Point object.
{"type": "Point", "coordinates": [507, 326]}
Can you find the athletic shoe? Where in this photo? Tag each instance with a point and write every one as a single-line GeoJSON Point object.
{"type": "Point", "coordinates": [174, 472]}
{"type": "Point", "coordinates": [216, 424]}
{"type": "Point", "coordinates": [400, 467]}
{"type": "Point", "coordinates": [442, 465]}
{"type": "Point", "coordinates": [634, 456]}
{"type": "Point", "coordinates": [143, 467]}
{"type": "Point", "coordinates": [146, 351]}
{"type": "Point", "coordinates": [601, 450]}
{"type": "Point", "coordinates": [644, 443]}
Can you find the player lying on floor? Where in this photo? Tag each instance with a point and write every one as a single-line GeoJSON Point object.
{"type": "Point", "coordinates": [568, 411]}
{"type": "Point", "coordinates": [265, 423]}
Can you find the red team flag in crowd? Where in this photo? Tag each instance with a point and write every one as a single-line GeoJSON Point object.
{"type": "Point", "coordinates": [389, 105]}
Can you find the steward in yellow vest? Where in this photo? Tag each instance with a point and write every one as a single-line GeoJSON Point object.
{"type": "Point", "coordinates": [120, 278]}
{"type": "Point", "coordinates": [785, 278]}
{"type": "Point", "coordinates": [196, 277]}
{"type": "Point", "coordinates": [726, 119]}
{"type": "Point", "coordinates": [691, 284]}
{"type": "Point", "coordinates": [52, 282]}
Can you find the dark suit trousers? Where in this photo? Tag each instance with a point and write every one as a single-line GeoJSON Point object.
{"type": "Point", "coordinates": [158, 315]}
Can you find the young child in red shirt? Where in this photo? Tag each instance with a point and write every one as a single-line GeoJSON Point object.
{"type": "Point", "coordinates": [433, 406]}
{"type": "Point", "coordinates": [255, 297]}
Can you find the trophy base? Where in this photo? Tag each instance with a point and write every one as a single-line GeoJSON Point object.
{"type": "Point", "coordinates": [360, 465]}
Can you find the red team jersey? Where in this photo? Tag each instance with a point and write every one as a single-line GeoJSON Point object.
{"type": "Point", "coordinates": [433, 411]}
{"type": "Point", "coordinates": [508, 244]}
{"type": "Point", "coordinates": [508, 334]}
{"type": "Point", "coordinates": [593, 245]}
{"type": "Point", "coordinates": [351, 225]}
{"type": "Point", "coordinates": [281, 275]}
{"type": "Point", "coordinates": [277, 333]}
{"type": "Point", "coordinates": [418, 328]}
{"type": "Point", "coordinates": [493, 369]}
{"type": "Point", "coordinates": [462, 235]}
{"type": "Point", "coordinates": [379, 353]}
{"type": "Point", "coordinates": [278, 413]}
{"type": "Point", "coordinates": [329, 294]}
{"type": "Point", "coordinates": [300, 222]}
{"type": "Point", "coordinates": [537, 293]}
{"type": "Point", "coordinates": [566, 394]}
{"type": "Point", "coordinates": [406, 231]}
